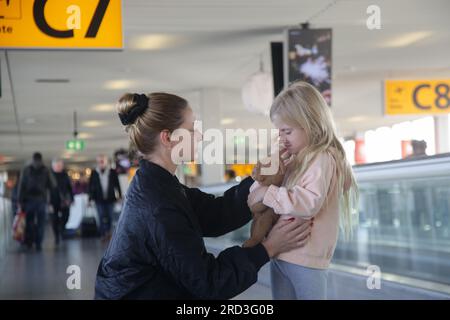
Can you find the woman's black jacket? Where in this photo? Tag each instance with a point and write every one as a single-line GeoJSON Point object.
{"type": "Point", "coordinates": [157, 250]}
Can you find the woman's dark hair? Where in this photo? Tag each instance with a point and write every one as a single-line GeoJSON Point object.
{"type": "Point", "coordinates": [165, 111]}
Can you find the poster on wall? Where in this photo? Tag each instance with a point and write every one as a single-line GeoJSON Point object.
{"type": "Point", "coordinates": [309, 58]}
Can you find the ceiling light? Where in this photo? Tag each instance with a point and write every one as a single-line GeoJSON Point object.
{"type": "Point", "coordinates": [118, 84]}
{"type": "Point", "coordinates": [84, 135]}
{"type": "Point", "coordinates": [406, 39]}
{"type": "Point", "coordinates": [93, 123]}
{"type": "Point", "coordinates": [257, 92]}
{"type": "Point", "coordinates": [104, 107]}
{"type": "Point", "coordinates": [226, 121]}
{"type": "Point", "coordinates": [152, 42]}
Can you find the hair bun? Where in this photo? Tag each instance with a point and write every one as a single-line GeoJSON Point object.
{"type": "Point", "coordinates": [140, 105]}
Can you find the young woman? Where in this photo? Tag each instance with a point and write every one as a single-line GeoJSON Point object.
{"type": "Point", "coordinates": [157, 250]}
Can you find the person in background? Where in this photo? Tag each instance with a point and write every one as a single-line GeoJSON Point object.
{"type": "Point", "coordinates": [103, 186]}
{"type": "Point", "coordinates": [36, 180]}
{"type": "Point", "coordinates": [61, 199]}
{"type": "Point", "coordinates": [419, 148]}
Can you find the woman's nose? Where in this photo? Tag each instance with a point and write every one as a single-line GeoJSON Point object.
{"type": "Point", "coordinates": [198, 135]}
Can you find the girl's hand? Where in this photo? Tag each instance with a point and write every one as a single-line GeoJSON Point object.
{"type": "Point", "coordinates": [286, 157]}
{"type": "Point", "coordinates": [276, 179]}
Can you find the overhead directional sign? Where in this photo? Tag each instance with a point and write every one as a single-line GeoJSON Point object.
{"type": "Point", "coordinates": [416, 97]}
{"type": "Point", "coordinates": [61, 24]}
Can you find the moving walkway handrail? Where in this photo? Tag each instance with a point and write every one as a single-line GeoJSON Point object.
{"type": "Point", "coordinates": [420, 167]}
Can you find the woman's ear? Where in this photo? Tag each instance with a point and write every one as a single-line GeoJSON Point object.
{"type": "Point", "coordinates": [164, 137]}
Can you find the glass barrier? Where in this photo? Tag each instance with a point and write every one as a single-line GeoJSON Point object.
{"type": "Point", "coordinates": [404, 220]}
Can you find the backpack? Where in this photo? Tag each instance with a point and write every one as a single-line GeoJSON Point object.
{"type": "Point", "coordinates": [36, 181]}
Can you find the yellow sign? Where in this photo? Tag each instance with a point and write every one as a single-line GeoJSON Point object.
{"type": "Point", "coordinates": [416, 97]}
{"type": "Point", "coordinates": [61, 24]}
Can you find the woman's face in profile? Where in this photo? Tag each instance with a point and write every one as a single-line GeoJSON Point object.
{"type": "Point", "coordinates": [186, 150]}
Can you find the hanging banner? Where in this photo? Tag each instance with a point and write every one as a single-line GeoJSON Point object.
{"type": "Point", "coordinates": [61, 24]}
{"type": "Point", "coordinates": [309, 58]}
{"type": "Point", "coordinates": [416, 97]}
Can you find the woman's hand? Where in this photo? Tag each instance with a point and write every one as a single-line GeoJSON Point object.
{"type": "Point", "coordinates": [287, 235]}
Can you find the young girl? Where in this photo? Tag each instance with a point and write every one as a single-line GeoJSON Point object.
{"type": "Point", "coordinates": [318, 184]}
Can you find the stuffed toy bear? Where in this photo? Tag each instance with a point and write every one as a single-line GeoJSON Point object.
{"type": "Point", "coordinates": [263, 217]}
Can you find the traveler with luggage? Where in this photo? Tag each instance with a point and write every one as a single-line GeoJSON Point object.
{"type": "Point", "coordinates": [104, 190]}
{"type": "Point", "coordinates": [61, 199]}
{"type": "Point", "coordinates": [35, 182]}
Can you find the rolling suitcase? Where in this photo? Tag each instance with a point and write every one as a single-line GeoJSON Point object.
{"type": "Point", "coordinates": [89, 227]}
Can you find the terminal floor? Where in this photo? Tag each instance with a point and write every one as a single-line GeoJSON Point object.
{"type": "Point", "coordinates": [42, 275]}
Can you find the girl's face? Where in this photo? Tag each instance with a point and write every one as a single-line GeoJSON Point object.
{"type": "Point", "coordinates": [293, 138]}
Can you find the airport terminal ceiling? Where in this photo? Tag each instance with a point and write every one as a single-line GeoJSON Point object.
{"type": "Point", "coordinates": [189, 46]}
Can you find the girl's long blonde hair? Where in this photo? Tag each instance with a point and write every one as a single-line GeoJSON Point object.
{"type": "Point", "coordinates": [301, 105]}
